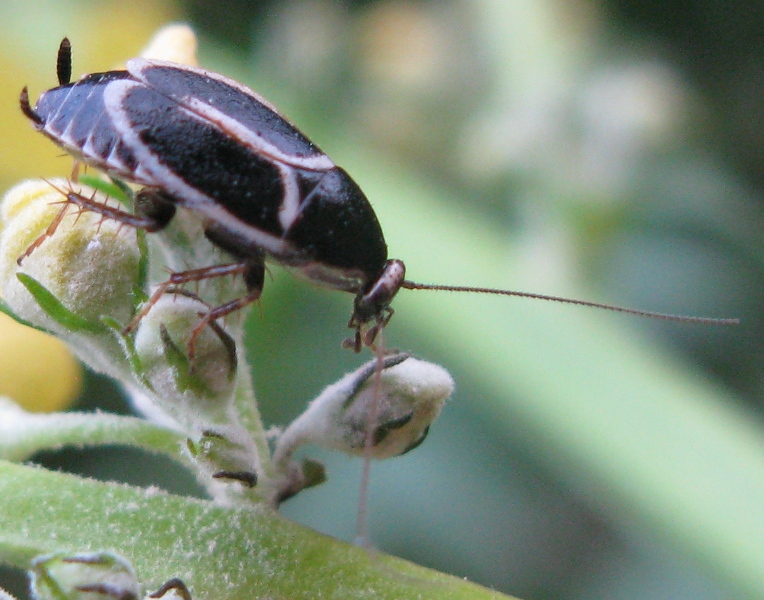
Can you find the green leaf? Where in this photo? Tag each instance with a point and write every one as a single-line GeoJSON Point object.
{"type": "Point", "coordinates": [185, 378]}
{"type": "Point", "coordinates": [139, 291]}
{"type": "Point", "coordinates": [56, 310]}
{"type": "Point", "coordinates": [127, 343]}
{"type": "Point", "coordinates": [113, 189]}
{"type": "Point", "coordinates": [220, 553]}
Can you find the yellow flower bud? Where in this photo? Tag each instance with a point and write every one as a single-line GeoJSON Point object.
{"type": "Point", "coordinates": [89, 265]}
{"type": "Point", "coordinates": [36, 370]}
{"type": "Point", "coordinates": [175, 43]}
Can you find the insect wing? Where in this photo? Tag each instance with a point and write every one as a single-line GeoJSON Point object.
{"type": "Point", "coordinates": [192, 159]}
{"type": "Point", "coordinates": [74, 116]}
{"type": "Point", "coordinates": [230, 146]}
{"type": "Point", "coordinates": [233, 107]}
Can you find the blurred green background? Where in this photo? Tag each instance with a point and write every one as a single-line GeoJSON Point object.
{"type": "Point", "coordinates": [611, 150]}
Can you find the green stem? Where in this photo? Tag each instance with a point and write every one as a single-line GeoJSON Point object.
{"type": "Point", "coordinates": [221, 553]}
{"type": "Point", "coordinates": [22, 434]}
{"type": "Point", "coordinates": [249, 417]}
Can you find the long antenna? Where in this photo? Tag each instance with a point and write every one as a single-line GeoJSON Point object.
{"type": "Point", "coordinates": [411, 285]}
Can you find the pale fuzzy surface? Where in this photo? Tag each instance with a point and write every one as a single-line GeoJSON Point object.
{"type": "Point", "coordinates": [212, 364]}
{"type": "Point", "coordinates": [89, 264]}
{"type": "Point", "coordinates": [413, 386]}
{"type": "Point", "coordinates": [62, 574]}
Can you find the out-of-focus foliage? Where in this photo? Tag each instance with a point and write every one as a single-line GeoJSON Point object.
{"type": "Point", "coordinates": [36, 370]}
{"type": "Point", "coordinates": [563, 151]}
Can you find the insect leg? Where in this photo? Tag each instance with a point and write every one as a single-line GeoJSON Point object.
{"type": "Point", "coordinates": [254, 278]}
{"type": "Point", "coordinates": [253, 270]}
{"type": "Point", "coordinates": [180, 278]}
{"type": "Point", "coordinates": [154, 208]}
{"type": "Point", "coordinates": [110, 212]}
{"type": "Point", "coordinates": [153, 204]}
{"type": "Point", "coordinates": [45, 235]}
{"type": "Point", "coordinates": [84, 203]}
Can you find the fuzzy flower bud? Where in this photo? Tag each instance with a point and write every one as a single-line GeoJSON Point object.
{"type": "Point", "coordinates": [410, 396]}
{"type": "Point", "coordinates": [96, 576]}
{"type": "Point", "coordinates": [197, 391]}
{"type": "Point", "coordinates": [68, 281]}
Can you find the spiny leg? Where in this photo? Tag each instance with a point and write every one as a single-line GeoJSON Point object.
{"type": "Point", "coordinates": [254, 278]}
{"type": "Point", "coordinates": [153, 207]}
{"type": "Point", "coordinates": [225, 339]}
{"type": "Point", "coordinates": [253, 270]}
{"type": "Point", "coordinates": [180, 278]}
{"type": "Point", "coordinates": [155, 212]}
{"type": "Point", "coordinates": [51, 229]}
